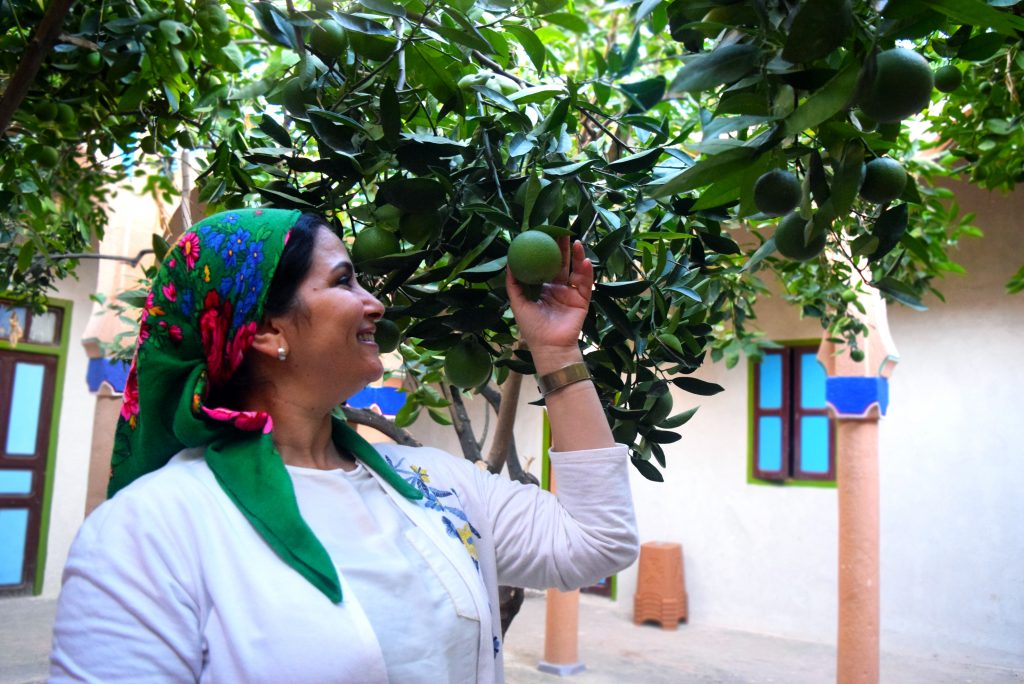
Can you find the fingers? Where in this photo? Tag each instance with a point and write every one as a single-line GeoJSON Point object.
{"type": "Point", "coordinates": [582, 278]}
{"type": "Point", "coordinates": [567, 257]}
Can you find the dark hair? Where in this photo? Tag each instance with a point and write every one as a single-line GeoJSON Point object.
{"type": "Point", "coordinates": [294, 265]}
{"type": "Point", "coordinates": [282, 297]}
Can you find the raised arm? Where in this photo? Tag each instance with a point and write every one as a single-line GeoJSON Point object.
{"type": "Point", "coordinates": [551, 328]}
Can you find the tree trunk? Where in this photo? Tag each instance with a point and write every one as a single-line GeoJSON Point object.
{"type": "Point", "coordinates": [35, 52]}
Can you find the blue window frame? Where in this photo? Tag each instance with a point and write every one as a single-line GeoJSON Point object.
{"type": "Point", "coordinates": [793, 435]}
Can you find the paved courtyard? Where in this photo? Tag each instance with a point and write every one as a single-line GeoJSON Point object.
{"type": "Point", "coordinates": [614, 650]}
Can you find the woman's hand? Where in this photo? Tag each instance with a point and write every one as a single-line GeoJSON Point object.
{"type": "Point", "coordinates": [551, 325]}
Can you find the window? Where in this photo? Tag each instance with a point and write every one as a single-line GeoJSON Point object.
{"type": "Point", "coordinates": [793, 436]}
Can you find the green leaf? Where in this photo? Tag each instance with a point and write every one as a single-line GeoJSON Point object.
{"type": "Point", "coordinates": [663, 436]}
{"type": "Point", "coordinates": [469, 39]}
{"type": "Point", "coordinates": [696, 386]}
{"type": "Point", "coordinates": [679, 419]}
{"type": "Point", "coordinates": [820, 26]}
{"type": "Point", "coordinates": [757, 257]}
{"type": "Point", "coordinates": [25, 254]}
{"type": "Point", "coordinates": [438, 417]}
{"type": "Point", "coordinates": [635, 163]}
{"type": "Point", "coordinates": [407, 415]}
{"type": "Point", "coordinates": [831, 99]}
{"type": "Point", "coordinates": [571, 169]}
{"type": "Point", "coordinates": [672, 342]}
{"type": "Point", "coordinates": [981, 47]}
{"type": "Point", "coordinates": [977, 13]}
{"type": "Point", "coordinates": [644, 94]}
{"type": "Point", "coordinates": [847, 180]}
{"type": "Point", "coordinates": [531, 43]}
{"type": "Point", "coordinates": [889, 228]}
{"type": "Point", "coordinates": [359, 24]}
{"type": "Point", "coordinates": [646, 7]}
{"type": "Point", "coordinates": [706, 71]}
{"type": "Point", "coordinates": [160, 247]}
{"type": "Point", "coordinates": [1016, 283]}
{"type": "Point", "coordinates": [704, 172]}
{"type": "Point", "coordinates": [900, 292]}
{"type": "Point", "coordinates": [647, 469]}
{"type": "Point", "coordinates": [625, 288]}
{"type": "Point", "coordinates": [536, 94]}
{"type": "Point", "coordinates": [566, 20]}
{"type": "Point", "coordinates": [383, 7]}
{"type": "Point", "coordinates": [275, 130]}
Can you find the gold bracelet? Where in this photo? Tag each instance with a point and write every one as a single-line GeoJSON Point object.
{"type": "Point", "coordinates": [564, 376]}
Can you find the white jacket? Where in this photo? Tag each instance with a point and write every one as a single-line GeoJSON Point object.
{"type": "Point", "coordinates": [168, 582]}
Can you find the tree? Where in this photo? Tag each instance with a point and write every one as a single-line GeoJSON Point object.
{"type": "Point", "coordinates": [455, 126]}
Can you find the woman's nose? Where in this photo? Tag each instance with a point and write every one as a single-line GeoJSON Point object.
{"type": "Point", "coordinates": [374, 307]}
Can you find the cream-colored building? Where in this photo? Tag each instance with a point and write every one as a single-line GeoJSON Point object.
{"type": "Point", "coordinates": [758, 557]}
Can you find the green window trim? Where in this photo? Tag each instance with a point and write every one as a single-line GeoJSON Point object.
{"type": "Point", "coordinates": [61, 352]}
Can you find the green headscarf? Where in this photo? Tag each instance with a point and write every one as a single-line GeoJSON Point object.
{"type": "Point", "coordinates": [198, 322]}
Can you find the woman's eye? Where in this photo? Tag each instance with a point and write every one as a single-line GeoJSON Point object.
{"type": "Point", "coordinates": [344, 281]}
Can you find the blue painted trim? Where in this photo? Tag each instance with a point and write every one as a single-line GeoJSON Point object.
{"type": "Point", "coordinates": [854, 396]}
{"type": "Point", "coordinates": [389, 399]}
{"type": "Point", "coordinates": [113, 372]}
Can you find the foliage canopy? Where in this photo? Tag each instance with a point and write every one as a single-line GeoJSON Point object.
{"type": "Point", "coordinates": [640, 127]}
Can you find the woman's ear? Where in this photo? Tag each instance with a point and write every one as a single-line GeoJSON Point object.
{"type": "Point", "coordinates": [270, 339]}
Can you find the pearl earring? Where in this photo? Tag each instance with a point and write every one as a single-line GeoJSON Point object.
{"type": "Point", "coordinates": [282, 353]}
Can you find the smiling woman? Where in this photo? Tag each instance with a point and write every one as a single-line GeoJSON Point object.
{"type": "Point", "coordinates": [251, 536]}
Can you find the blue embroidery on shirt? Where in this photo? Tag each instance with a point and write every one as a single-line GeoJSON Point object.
{"type": "Point", "coordinates": [497, 646]}
{"type": "Point", "coordinates": [432, 499]}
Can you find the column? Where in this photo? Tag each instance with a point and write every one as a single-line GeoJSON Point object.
{"type": "Point", "coordinates": [857, 393]}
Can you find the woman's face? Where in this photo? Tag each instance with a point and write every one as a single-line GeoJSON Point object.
{"type": "Point", "coordinates": [330, 335]}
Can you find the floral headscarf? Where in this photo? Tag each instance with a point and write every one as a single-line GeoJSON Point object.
{"type": "Point", "coordinates": [197, 324]}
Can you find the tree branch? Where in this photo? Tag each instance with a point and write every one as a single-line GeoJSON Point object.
{"type": "Point", "coordinates": [503, 436]}
{"type": "Point", "coordinates": [366, 417]}
{"type": "Point", "coordinates": [32, 59]}
{"type": "Point", "coordinates": [461, 422]}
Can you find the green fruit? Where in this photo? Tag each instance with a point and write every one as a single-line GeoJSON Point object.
{"type": "Point", "coordinates": [45, 111]}
{"type": "Point", "coordinates": [902, 86]}
{"type": "Point", "coordinates": [212, 18]}
{"type": "Point", "coordinates": [777, 192]}
{"type": "Point", "coordinates": [44, 155]}
{"type": "Point", "coordinates": [377, 48]}
{"type": "Point", "coordinates": [534, 257]}
{"type": "Point", "coordinates": [468, 364]}
{"type": "Point", "coordinates": [293, 97]}
{"type": "Point", "coordinates": [329, 39]}
{"type": "Point", "coordinates": [387, 335]}
{"type": "Point", "coordinates": [848, 296]}
{"type": "Point", "coordinates": [418, 228]}
{"type": "Point", "coordinates": [789, 239]}
{"type": "Point", "coordinates": [857, 355]}
{"type": "Point", "coordinates": [91, 63]}
{"type": "Point", "coordinates": [373, 243]}
{"type": "Point", "coordinates": [884, 180]}
{"type": "Point", "coordinates": [149, 144]}
{"type": "Point", "coordinates": [65, 115]}
{"type": "Point", "coordinates": [948, 78]}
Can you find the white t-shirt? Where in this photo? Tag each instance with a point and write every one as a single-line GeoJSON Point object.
{"type": "Point", "coordinates": [373, 545]}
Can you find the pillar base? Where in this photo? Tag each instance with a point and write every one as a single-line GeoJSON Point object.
{"type": "Point", "coordinates": [561, 669]}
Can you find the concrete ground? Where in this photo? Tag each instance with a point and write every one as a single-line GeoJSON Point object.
{"type": "Point", "coordinates": [613, 649]}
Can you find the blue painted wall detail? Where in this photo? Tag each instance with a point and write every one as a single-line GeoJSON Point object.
{"type": "Point", "coordinates": [853, 396]}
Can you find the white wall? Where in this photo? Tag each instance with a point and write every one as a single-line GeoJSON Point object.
{"type": "Point", "coordinates": [71, 467]}
{"type": "Point", "coordinates": [763, 558]}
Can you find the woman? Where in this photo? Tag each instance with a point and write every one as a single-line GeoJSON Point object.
{"type": "Point", "coordinates": [256, 538]}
